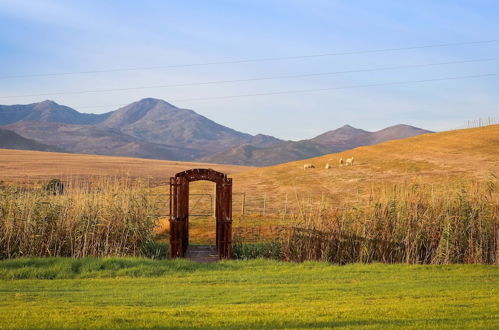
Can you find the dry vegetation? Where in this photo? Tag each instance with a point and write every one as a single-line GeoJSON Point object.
{"type": "Point", "coordinates": [20, 166]}
{"type": "Point", "coordinates": [438, 158]}
{"type": "Point", "coordinates": [106, 217]}
{"type": "Point", "coordinates": [427, 199]}
{"type": "Point", "coordinates": [409, 223]}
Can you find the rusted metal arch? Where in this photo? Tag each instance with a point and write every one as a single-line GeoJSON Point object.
{"type": "Point", "coordinates": [179, 211]}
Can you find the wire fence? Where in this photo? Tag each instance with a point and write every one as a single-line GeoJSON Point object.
{"type": "Point", "coordinates": [252, 205]}
{"type": "Point", "coordinates": [481, 122]}
{"type": "Point", "coordinates": [256, 217]}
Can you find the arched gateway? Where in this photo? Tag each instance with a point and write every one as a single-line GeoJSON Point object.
{"type": "Point", "coordinates": [179, 211]}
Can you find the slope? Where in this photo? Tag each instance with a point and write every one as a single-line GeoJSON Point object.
{"type": "Point", "coordinates": [160, 122]}
{"type": "Point", "coordinates": [444, 157]}
{"type": "Point", "coordinates": [343, 138]}
{"type": "Point", "coordinates": [23, 166]}
{"type": "Point", "coordinates": [12, 140]}
{"type": "Point", "coordinates": [47, 111]}
{"type": "Point", "coordinates": [100, 140]}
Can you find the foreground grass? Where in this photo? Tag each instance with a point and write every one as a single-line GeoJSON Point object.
{"type": "Point", "coordinates": [127, 292]}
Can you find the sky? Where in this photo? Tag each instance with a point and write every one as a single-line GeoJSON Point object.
{"type": "Point", "coordinates": [41, 37]}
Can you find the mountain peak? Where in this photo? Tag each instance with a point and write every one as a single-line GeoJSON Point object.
{"type": "Point", "coordinates": [45, 105]}
{"type": "Point", "coordinates": [48, 102]}
{"type": "Point", "coordinates": [148, 107]}
{"type": "Point", "coordinates": [399, 131]}
{"type": "Point", "coordinates": [151, 102]}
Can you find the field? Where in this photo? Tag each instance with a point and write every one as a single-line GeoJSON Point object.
{"type": "Point", "coordinates": [442, 162]}
{"type": "Point", "coordinates": [140, 293]}
{"type": "Point", "coordinates": [427, 207]}
{"type": "Point", "coordinates": [433, 164]}
{"type": "Point", "coordinates": [20, 166]}
{"type": "Point", "coordinates": [449, 178]}
{"type": "Point", "coordinates": [439, 158]}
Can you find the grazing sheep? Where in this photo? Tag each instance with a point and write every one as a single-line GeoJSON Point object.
{"type": "Point", "coordinates": [328, 166]}
{"type": "Point", "coordinates": [306, 166]}
{"type": "Point", "coordinates": [349, 161]}
{"type": "Point", "coordinates": [341, 162]}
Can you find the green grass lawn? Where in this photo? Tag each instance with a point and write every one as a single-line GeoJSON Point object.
{"type": "Point", "coordinates": [127, 292]}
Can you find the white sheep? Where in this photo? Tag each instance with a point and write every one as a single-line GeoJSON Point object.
{"type": "Point", "coordinates": [328, 166]}
{"type": "Point", "coordinates": [306, 166]}
{"type": "Point", "coordinates": [349, 161]}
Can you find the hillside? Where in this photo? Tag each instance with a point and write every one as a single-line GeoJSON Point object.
{"type": "Point", "coordinates": [24, 166]}
{"type": "Point", "coordinates": [47, 112]}
{"type": "Point", "coordinates": [343, 138]}
{"type": "Point", "coordinates": [427, 159]}
{"type": "Point", "coordinates": [11, 140]}
{"type": "Point", "coordinates": [99, 140]}
{"type": "Point", "coordinates": [157, 121]}
{"type": "Point", "coordinates": [278, 153]}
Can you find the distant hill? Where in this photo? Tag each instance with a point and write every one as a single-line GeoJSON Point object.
{"type": "Point", "coordinates": [348, 137]}
{"type": "Point", "coordinates": [99, 140]}
{"type": "Point", "coordinates": [47, 112]}
{"type": "Point", "coordinates": [153, 128]}
{"type": "Point", "coordinates": [276, 154]}
{"type": "Point", "coordinates": [12, 140]}
{"type": "Point", "coordinates": [343, 138]}
{"type": "Point", "coordinates": [157, 121]}
{"type": "Point", "coordinates": [149, 128]}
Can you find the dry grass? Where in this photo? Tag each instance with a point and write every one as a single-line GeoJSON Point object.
{"type": "Point", "coordinates": [440, 161]}
{"type": "Point", "coordinates": [27, 166]}
{"type": "Point", "coordinates": [107, 217]}
{"type": "Point", "coordinates": [408, 223]}
{"type": "Point", "coordinates": [433, 161]}
{"type": "Point", "coordinates": [438, 158]}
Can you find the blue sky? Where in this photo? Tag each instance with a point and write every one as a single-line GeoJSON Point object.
{"type": "Point", "coordinates": [44, 36]}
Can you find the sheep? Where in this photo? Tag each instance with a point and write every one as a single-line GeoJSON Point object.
{"type": "Point", "coordinates": [328, 166]}
{"type": "Point", "coordinates": [341, 162]}
{"type": "Point", "coordinates": [349, 161]}
{"type": "Point", "coordinates": [306, 166]}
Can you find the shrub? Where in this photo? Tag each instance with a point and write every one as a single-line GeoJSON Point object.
{"type": "Point", "coordinates": [54, 187]}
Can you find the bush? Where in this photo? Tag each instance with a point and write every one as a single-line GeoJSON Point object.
{"type": "Point", "coordinates": [54, 187]}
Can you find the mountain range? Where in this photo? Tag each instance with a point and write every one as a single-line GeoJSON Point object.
{"type": "Point", "coordinates": [153, 128]}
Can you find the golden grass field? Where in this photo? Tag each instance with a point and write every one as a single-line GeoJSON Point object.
{"type": "Point", "coordinates": [435, 158]}
{"type": "Point", "coordinates": [28, 166]}
{"type": "Point", "coordinates": [440, 159]}
{"type": "Point", "coordinates": [429, 158]}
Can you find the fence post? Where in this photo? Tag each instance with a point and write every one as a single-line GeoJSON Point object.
{"type": "Point", "coordinates": [286, 205]}
{"type": "Point", "coordinates": [243, 204]}
{"type": "Point", "coordinates": [264, 202]}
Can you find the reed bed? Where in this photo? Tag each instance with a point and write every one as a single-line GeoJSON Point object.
{"type": "Point", "coordinates": [409, 223]}
{"type": "Point", "coordinates": [107, 217]}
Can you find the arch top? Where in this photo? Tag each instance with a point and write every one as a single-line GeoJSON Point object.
{"type": "Point", "coordinates": [198, 174]}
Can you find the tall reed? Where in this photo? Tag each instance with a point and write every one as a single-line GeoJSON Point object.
{"type": "Point", "coordinates": [405, 223]}
{"type": "Point", "coordinates": [112, 216]}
